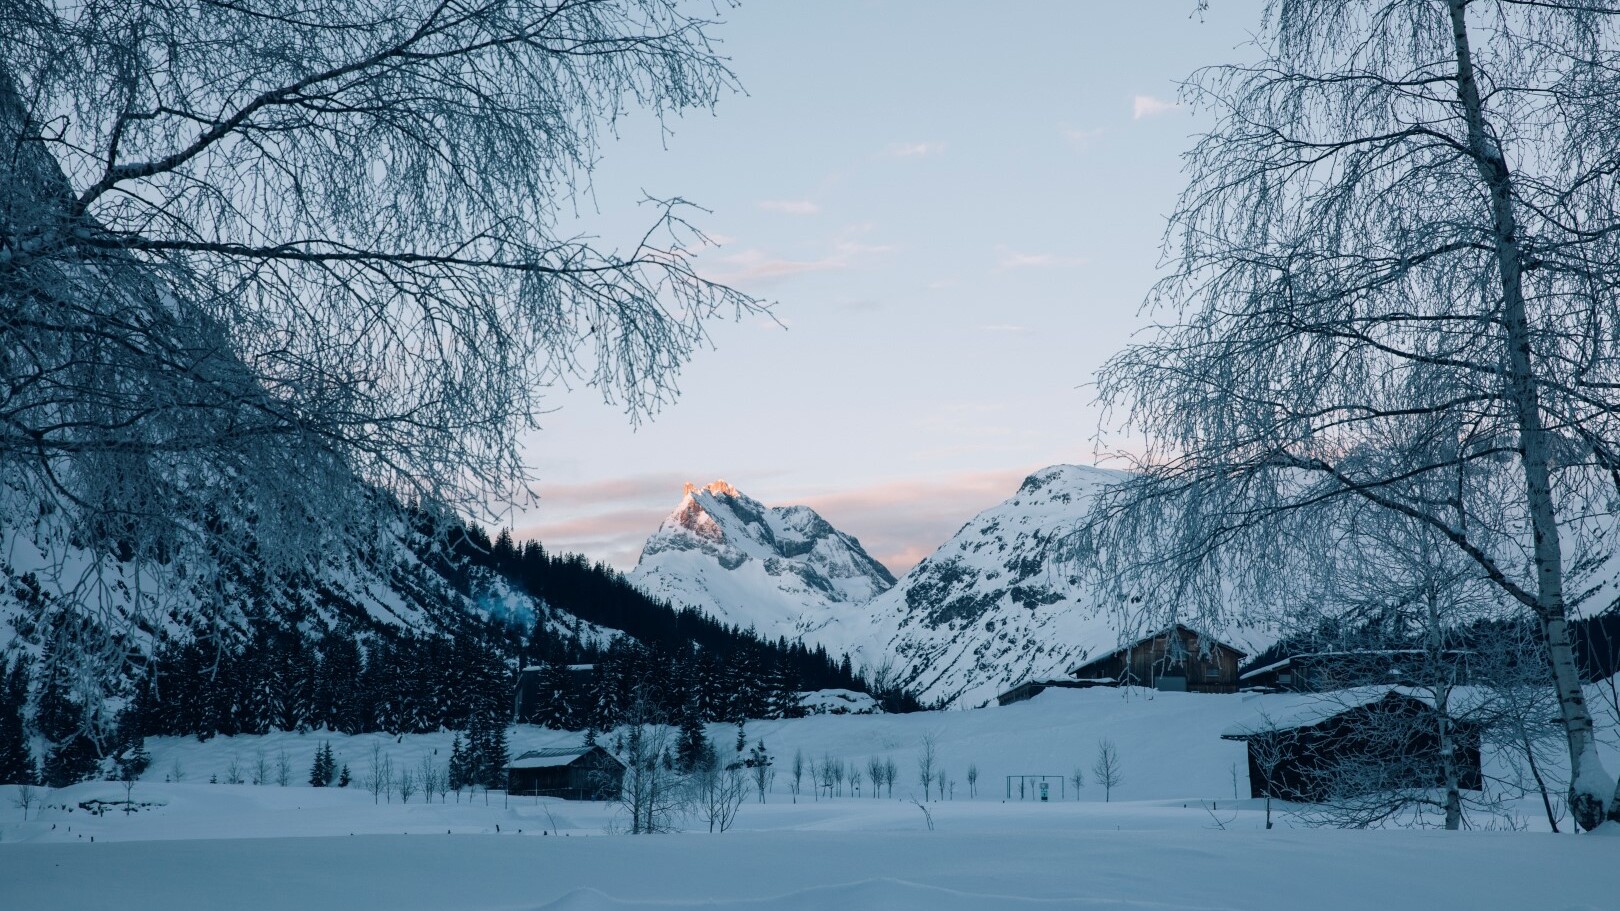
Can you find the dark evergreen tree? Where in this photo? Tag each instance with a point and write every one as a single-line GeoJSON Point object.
{"type": "Point", "coordinates": [459, 771]}
{"type": "Point", "coordinates": [496, 756]}
{"type": "Point", "coordinates": [324, 769]}
{"type": "Point", "coordinates": [692, 746]}
{"type": "Point", "coordinates": [16, 763]}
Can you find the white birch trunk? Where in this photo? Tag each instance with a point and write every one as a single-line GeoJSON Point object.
{"type": "Point", "coordinates": [1592, 791]}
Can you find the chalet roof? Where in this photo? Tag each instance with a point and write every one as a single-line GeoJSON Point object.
{"type": "Point", "coordinates": [570, 668]}
{"type": "Point", "coordinates": [549, 758]}
{"type": "Point", "coordinates": [1051, 681]}
{"type": "Point", "coordinates": [1349, 653]}
{"type": "Point", "coordinates": [1203, 637]}
{"type": "Point", "coordinates": [1322, 708]}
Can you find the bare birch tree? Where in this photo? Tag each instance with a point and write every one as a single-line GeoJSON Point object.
{"type": "Point", "coordinates": [876, 770]}
{"type": "Point", "coordinates": [1393, 282]}
{"type": "Point", "coordinates": [259, 261]}
{"type": "Point", "coordinates": [1107, 769]}
{"type": "Point", "coordinates": [655, 794]}
{"type": "Point", "coordinates": [717, 789]}
{"type": "Point", "coordinates": [927, 762]}
{"type": "Point", "coordinates": [1397, 604]}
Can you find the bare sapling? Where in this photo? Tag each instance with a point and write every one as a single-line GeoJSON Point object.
{"type": "Point", "coordinates": [1107, 769]}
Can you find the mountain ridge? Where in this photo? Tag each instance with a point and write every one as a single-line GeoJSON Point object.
{"type": "Point", "coordinates": [782, 570]}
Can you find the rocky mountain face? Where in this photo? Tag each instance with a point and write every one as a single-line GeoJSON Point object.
{"type": "Point", "coordinates": [992, 606]}
{"type": "Point", "coordinates": [782, 570]}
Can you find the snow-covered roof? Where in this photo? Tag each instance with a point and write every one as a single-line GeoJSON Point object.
{"type": "Point", "coordinates": [1356, 653]}
{"type": "Point", "coordinates": [1320, 709]}
{"type": "Point", "coordinates": [548, 758]}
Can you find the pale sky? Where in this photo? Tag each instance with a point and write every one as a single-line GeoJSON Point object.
{"type": "Point", "coordinates": [957, 209]}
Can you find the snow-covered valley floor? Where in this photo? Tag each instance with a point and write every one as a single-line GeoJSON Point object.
{"type": "Point", "coordinates": [1172, 837]}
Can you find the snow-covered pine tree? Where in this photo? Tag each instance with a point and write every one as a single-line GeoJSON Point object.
{"type": "Point", "coordinates": [16, 763]}
{"type": "Point", "coordinates": [692, 746]}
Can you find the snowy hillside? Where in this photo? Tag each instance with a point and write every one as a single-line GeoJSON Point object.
{"type": "Point", "coordinates": [384, 585]}
{"type": "Point", "coordinates": [782, 570]}
{"type": "Point", "coordinates": [991, 607]}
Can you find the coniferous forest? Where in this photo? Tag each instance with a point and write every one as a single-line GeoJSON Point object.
{"type": "Point", "coordinates": [646, 659]}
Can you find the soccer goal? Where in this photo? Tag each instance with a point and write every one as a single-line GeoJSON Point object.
{"type": "Point", "coordinates": [1035, 787]}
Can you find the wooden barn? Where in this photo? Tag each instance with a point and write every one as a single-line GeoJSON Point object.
{"type": "Point", "coordinates": [1178, 658]}
{"type": "Point", "coordinates": [1318, 672]}
{"type": "Point", "coordinates": [1352, 744]}
{"type": "Point", "coordinates": [551, 694]}
{"type": "Point", "coordinates": [572, 773]}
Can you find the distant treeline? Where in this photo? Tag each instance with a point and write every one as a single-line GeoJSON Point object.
{"type": "Point", "coordinates": [282, 673]}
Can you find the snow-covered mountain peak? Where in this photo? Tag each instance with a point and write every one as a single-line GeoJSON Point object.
{"type": "Point", "coordinates": [780, 569]}
{"type": "Point", "coordinates": [994, 606]}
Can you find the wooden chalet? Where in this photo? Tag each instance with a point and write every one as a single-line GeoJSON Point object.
{"type": "Point", "coordinates": [572, 773]}
{"type": "Point", "coordinates": [1353, 744]}
{"type": "Point", "coordinates": [1179, 659]}
{"type": "Point", "coordinates": [544, 690]}
{"type": "Point", "coordinates": [1318, 672]}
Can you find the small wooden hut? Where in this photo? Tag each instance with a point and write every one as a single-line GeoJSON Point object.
{"type": "Point", "coordinates": [1354, 743]}
{"type": "Point", "coordinates": [572, 773]}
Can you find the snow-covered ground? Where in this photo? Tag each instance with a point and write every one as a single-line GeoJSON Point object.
{"type": "Point", "coordinates": [1172, 837]}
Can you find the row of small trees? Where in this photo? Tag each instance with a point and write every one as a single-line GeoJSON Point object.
{"type": "Point", "coordinates": [664, 785]}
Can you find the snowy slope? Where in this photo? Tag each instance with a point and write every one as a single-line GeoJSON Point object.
{"type": "Point", "coordinates": [1169, 744]}
{"type": "Point", "coordinates": [992, 607]}
{"type": "Point", "coordinates": [394, 583]}
{"type": "Point", "coordinates": [782, 570]}
{"type": "Point", "coordinates": [1171, 837]}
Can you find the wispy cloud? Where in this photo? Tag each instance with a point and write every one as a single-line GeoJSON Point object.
{"type": "Point", "coordinates": [1145, 106]}
{"type": "Point", "coordinates": [1082, 139]}
{"type": "Point", "coordinates": [1014, 259]}
{"type": "Point", "coordinates": [914, 149]}
{"type": "Point", "coordinates": [791, 206]}
{"type": "Point", "coordinates": [755, 267]}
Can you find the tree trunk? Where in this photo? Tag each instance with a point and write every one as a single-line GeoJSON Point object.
{"type": "Point", "coordinates": [1442, 712]}
{"type": "Point", "coordinates": [1592, 791]}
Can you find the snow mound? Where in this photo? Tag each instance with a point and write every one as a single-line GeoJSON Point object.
{"type": "Point", "coordinates": [839, 702]}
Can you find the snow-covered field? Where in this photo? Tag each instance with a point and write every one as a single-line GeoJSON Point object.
{"type": "Point", "coordinates": [1172, 837]}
